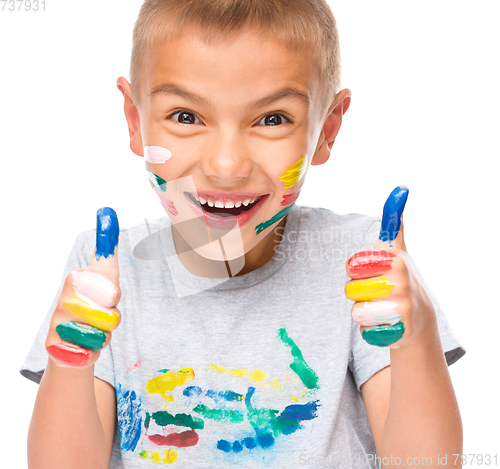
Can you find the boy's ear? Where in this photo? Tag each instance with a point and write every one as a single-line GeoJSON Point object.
{"type": "Point", "coordinates": [331, 127]}
{"type": "Point", "coordinates": [132, 116]}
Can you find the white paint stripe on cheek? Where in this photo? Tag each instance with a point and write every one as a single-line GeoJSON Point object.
{"type": "Point", "coordinates": [375, 312]}
{"type": "Point", "coordinates": [95, 287]}
{"type": "Point", "coordinates": [156, 155]}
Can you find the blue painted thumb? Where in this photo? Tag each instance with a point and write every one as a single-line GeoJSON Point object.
{"type": "Point", "coordinates": [393, 211]}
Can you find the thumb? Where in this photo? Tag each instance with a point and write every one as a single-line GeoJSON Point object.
{"type": "Point", "coordinates": [391, 229]}
{"type": "Point", "coordinates": [105, 258]}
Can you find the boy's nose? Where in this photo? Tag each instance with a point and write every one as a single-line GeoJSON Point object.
{"type": "Point", "coordinates": [227, 158]}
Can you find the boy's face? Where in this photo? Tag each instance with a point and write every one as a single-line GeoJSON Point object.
{"type": "Point", "coordinates": [241, 120]}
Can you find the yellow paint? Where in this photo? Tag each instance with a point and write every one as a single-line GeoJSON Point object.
{"type": "Point", "coordinates": [168, 381]}
{"type": "Point", "coordinates": [277, 384]}
{"type": "Point", "coordinates": [215, 367]}
{"type": "Point", "coordinates": [156, 457]}
{"type": "Point", "coordinates": [257, 375]}
{"type": "Point", "coordinates": [239, 373]}
{"type": "Point", "coordinates": [371, 289]}
{"type": "Point", "coordinates": [170, 456]}
{"type": "Point", "coordinates": [294, 173]}
{"type": "Point", "coordinates": [107, 321]}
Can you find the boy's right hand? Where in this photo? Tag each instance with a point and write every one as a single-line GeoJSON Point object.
{"type": "Point", "coordinates": [86, 311]}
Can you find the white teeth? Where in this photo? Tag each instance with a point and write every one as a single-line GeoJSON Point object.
{"type": "Point", "coordinates": [229, 204]}
{"type": "Point", "coordinates": [237, 204]}
{"type": "Point", "coordinates": [246, 202]}
{"type": "Point", "coordinates": [196, 197]}
{"type": "Point", "coordinates": [210, 203]}
{"type": "Point", "coordinates": [219, 204]}
{"type": "Point", "coordinates": [202, 200]}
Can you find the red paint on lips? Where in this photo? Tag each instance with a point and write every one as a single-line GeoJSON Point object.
{"type": "Point", "coordinates": [369, 263]}
{"type": "Point", "coordinates": [73, 356]}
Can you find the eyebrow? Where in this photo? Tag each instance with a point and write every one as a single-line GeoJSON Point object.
{"type": "Point", "coordinates": [288, 92]}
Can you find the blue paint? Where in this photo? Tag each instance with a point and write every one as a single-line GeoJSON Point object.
{"type": "Point", "coordinates": [265, 440]}
{"type": "Point", "coordinates": [128, 407]}
{"type": "Point", "coordinates": [237, 448]}
{"type": "Point", "coordinates": [107, 232]}
{"type": "Point", "coordinates": [393, 209]}
{"type": "Point", "coordinates": [224, 445]}
{"type": "Point", "coordinates": [249, 442]}
{"type": "Point", "coordinates": [192, 391]}
{"type": "Point", "coordinates": [300, 411]}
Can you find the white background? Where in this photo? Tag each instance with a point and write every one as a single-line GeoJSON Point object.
{"type": "Point", "coordinates": [424, 113]}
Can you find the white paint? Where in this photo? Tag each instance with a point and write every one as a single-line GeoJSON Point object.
{"type": "Point", "coordinates": [156, 155]}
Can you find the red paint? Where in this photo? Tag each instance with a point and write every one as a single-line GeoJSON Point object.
{"type": "Point", "coordinates": [180, 440]}
{"type": "Point", "coordinates": [73, 356]}
{"type": "Point", "coordinates": [169, 206]}
{"type": "Point", "coordinates": [369, 263]}
{"type": "Point", "coordinates": [290, 198]}
{"type": "Point", "coordinates": [135, 366]}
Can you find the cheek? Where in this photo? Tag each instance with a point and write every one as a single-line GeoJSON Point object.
{"type": "Point", "coordinates": [292, 175]}
{"type": "Point", "coordinates": [156, 154]}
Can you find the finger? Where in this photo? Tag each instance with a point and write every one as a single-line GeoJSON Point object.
{"type": "Point", "coordinates": [375, 313]}
{"type": "Point", "coordinates": [391, 219]}
{"type": "Point", "coordinates": [371, 263]}
{"type": "Point", "coordinates": [82, 335]}
{"type": "Point", "coordinates": [105, 258]}
{"type": "Point", "coordinates": [369, 289]}
{"type": "Point", "coordinates": [383, 336]}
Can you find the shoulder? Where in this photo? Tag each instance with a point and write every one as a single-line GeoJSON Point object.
{"type": "Point", "coordinates": [350, 228]}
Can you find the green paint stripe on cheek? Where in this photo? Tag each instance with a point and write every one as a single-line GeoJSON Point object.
{"type": "Point", "coordinates": [157, 181]}
{"type": "Point", "coordinates": [262, 226]}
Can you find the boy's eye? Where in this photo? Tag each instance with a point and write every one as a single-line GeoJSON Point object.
{"type": "Point", "coordinates": [183, 117]}
{"type": "Point", "coordinates": [273, 120]}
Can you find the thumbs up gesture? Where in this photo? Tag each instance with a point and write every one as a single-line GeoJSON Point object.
{"type": "Point", "coordinates": [86, 312]}
{"type": "Point", "coordinates": [391, 305]}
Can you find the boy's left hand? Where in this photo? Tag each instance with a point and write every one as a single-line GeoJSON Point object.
{"type": "Point", "coordinates": [392, 306]}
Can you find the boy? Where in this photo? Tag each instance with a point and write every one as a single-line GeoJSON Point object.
{"type": "Point", "coordinates": [239, 351]}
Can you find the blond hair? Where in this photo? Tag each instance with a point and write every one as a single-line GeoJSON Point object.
{"type": "Point", "coordinates": [307, 25]}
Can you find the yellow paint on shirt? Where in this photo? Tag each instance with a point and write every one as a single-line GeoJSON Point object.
{"type": "Point", "coordinates": [170, 456]}
{"type": "Point", "coordinates": [168, 381]}
{"type": "Point", "coordinates": [156, 457]}
{"type": "Point", "coordinates": [239, 373]}
{"type": "Point", "coordinates": [257, 375]}
{"type": "Point", "coordinates": [294, 173]}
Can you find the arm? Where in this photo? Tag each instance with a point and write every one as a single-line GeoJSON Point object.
{"type": "Point", "coordinates": [73, 420]}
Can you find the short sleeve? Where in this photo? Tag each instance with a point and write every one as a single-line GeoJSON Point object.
{"type": "Point", "coordinates": [36, 361]}
{"type": "Point", "coordinates": [366, 360]}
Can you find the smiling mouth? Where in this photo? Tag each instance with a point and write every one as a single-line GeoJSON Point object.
{"type": "Point", "coordinates": [225, 211]}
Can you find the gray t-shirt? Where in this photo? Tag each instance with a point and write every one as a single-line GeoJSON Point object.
{"type": "Point", "coordinates": [260, 370]}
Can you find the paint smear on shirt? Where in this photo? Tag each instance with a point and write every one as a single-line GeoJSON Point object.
{"type": "Point", "coordinates": [299, 365]}
{"type": "Point", "coordinates": [168, 381]}
{"type": "Point", "coordinates": [128, 407]}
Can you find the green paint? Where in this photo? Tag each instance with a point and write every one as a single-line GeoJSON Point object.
{"type": "Point", "coordinates": [164, 418]}
{"type": "Point", "coordinates": [273, 220]}
{"type": "Point", "coordinates": [384, 335]}
{"type": "Point", "coordinates": [157, 181]}
{"type": "Point", "coordinates": [90, 338]}
{"type": "Point", "coordinates": [166, 370]}
{"type": "Point", "coordinates": [144, 454]}
{"type": "Point", "coordinates": [261, 418]}
{"type": "Point", "coordinates": [299, 365]}
{"type": "Point", "coordinates": [232, 416]}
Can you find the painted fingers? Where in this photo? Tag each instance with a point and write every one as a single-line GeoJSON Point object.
{"type": "Point", "coordinates": [86, 311]}
{"type": "Point", "coordinates": [375, 274]}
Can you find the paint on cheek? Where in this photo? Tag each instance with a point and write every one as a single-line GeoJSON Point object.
{"type": "Point", "coordinates": [157, 181]}
{"type": "Point", "coordinates": [293, 174]}
{"type": "Point", "coordinates": [290, 198]}
{"type": "Point", "coordinates": [371, 289]}
{"type": "Point", "coordinates": [169, 206]}
{"type": "Point", "coordinates": [107, 232]}
{"type": "Point", "coordinates": [262, 226]}
{"type": "Point", "coordinates": [88, 337]}
{"type": "Point", "coordinates": [106, 319]}
{"type": "Point", "coordinates": [156, 155]}
{"type": "Point", "coordinates": [72, 356]}
{"type": "Point", "coordinates": [370, 263]}
{"type": "Point", "coordinates": [382, 336]}
{"type": "Point", "coordinates": [96, 287]}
